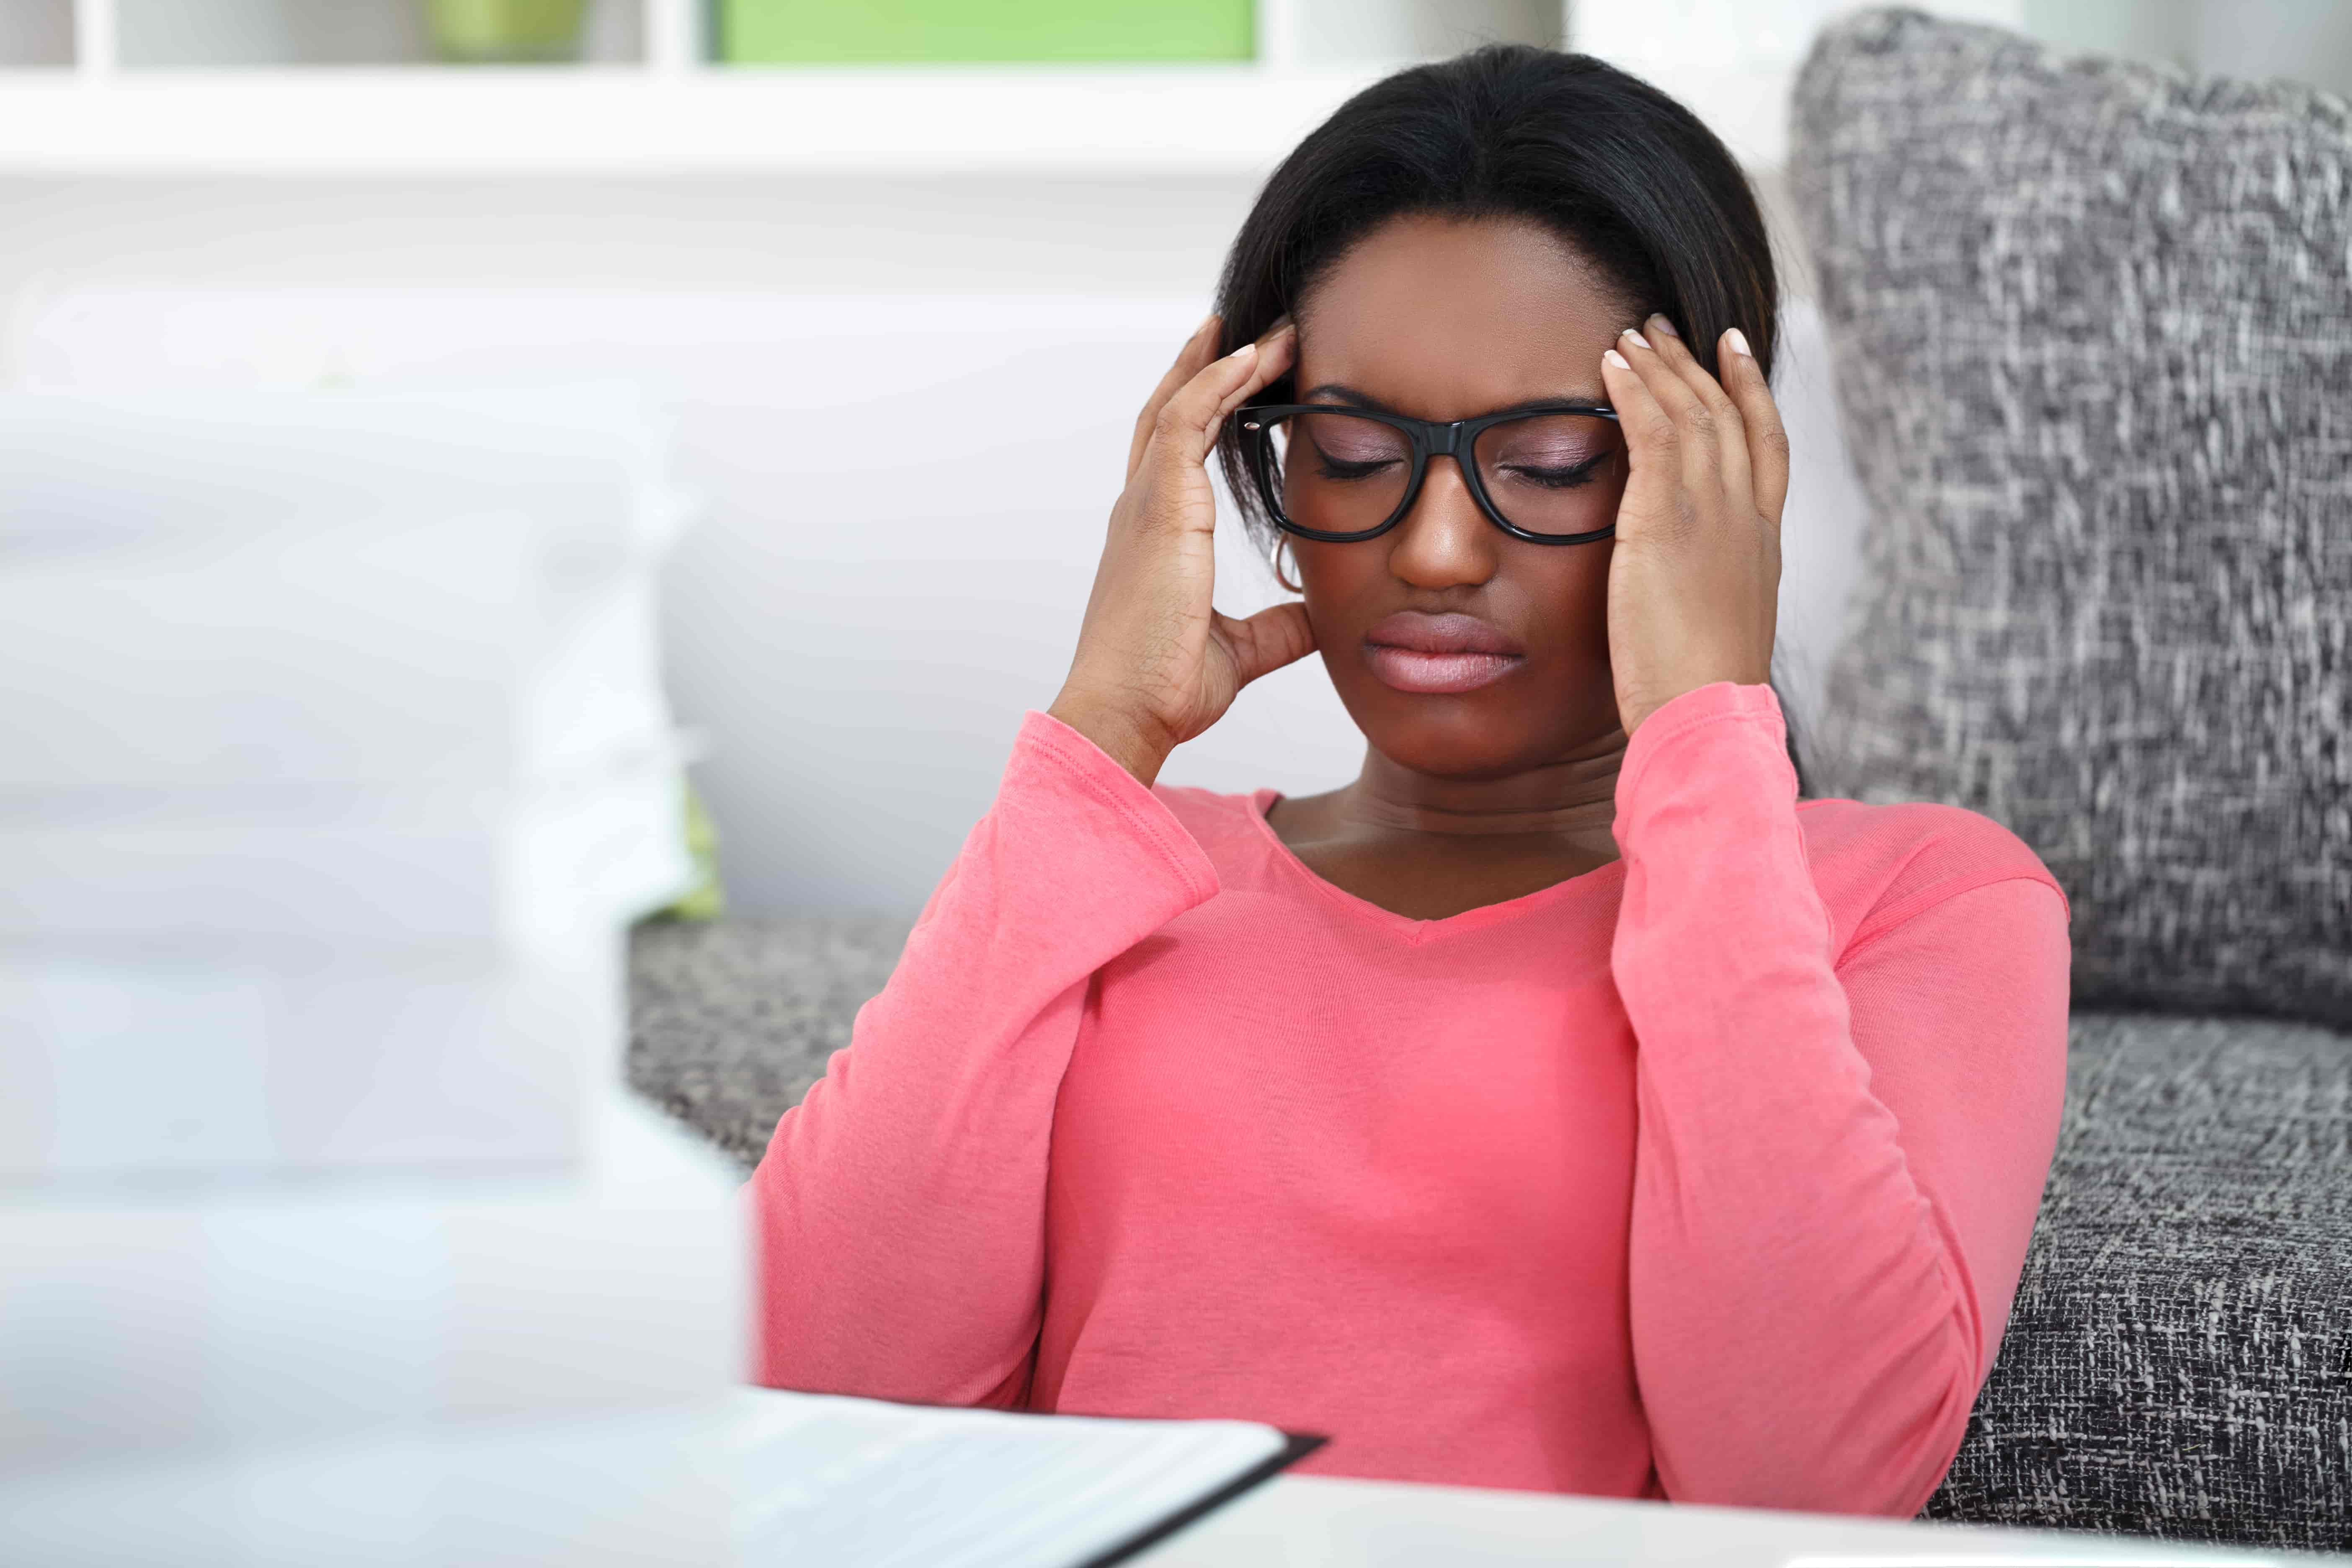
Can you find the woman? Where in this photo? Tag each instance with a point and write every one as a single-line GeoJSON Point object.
{"type": "Point", "coordinates": [1562, 1104]}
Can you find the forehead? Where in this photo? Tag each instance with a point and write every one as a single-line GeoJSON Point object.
{"type": "Point", "coordinates": [1445, 318]}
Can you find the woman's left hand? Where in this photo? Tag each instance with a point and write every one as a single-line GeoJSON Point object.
{"type": "Point", "coordinates": [1694, 575]}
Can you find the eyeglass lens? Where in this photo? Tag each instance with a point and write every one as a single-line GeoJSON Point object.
{"type": "Point", "coordinates": [1339, 472]}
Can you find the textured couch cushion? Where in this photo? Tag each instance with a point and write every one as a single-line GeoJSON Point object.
{"type": "Point", "coordinates": [2179, 1362]}
{"type": "Point", "coordinates": [2093, 332]}
{"type": "Point", "coordinates": [2179, 1358]}
{"type": "Point", "coordinates": [730, 1023]}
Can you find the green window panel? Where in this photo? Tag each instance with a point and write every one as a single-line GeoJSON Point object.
{"type": "Point", "coordinates": [799, 31]}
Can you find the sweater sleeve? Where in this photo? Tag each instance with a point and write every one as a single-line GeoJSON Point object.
{"type": "Point", "coordinates": [1839, 1159]}
{"type": "Point", "coordinates": [899, 1209]}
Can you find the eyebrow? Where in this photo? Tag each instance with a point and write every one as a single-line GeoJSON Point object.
{"type": "Point", "coordinates": [1336, 391]}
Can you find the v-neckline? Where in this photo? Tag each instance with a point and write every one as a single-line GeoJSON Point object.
{"type": "Point", "coordinates": [1418, 931]}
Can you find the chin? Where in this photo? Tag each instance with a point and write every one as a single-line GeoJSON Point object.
{"type": "Point", "coordinates": [1491, 732]}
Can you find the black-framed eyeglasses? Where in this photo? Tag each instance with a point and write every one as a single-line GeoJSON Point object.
{"type": "Point", "coordinates": [1340, 475]}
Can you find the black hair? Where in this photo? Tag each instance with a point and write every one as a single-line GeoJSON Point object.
{"type": "Point", "coordinates": [1628, 178]}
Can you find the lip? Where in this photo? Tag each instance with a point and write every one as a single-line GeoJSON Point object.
{"type": "Point", "coordinates": [1428, 655]}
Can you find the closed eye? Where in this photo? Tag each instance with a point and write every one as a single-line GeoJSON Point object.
{"type": "Point", "coordinates": [1328, 466]}
{"type": "Point", "coordinates": [1556, 479]}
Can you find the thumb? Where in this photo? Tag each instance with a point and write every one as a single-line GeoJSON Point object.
{"type": "Point", "coordinates": [1267, 641]}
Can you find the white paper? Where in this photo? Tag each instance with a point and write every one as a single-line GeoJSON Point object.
{"type": "Point", "coordinates": [832, 1482]}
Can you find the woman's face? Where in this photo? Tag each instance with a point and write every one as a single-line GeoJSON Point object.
{"type": "Point", "coordinates": [1444, 319]}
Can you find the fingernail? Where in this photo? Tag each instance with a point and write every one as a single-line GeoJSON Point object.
{"type": "Point", "coordinates": [1244, 351]}
{"type": "Point", "coordinates": [1738, 341]}
{"type": "Point", "coordinates": [1614, 357]}
{"type": "Point", "coordinates": [1637, 337]}
{"type": "Point", "coordinates": [1660, 324]}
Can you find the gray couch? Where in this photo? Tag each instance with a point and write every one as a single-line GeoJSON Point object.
{"type": "Point", "coordinates": [2093, 337]}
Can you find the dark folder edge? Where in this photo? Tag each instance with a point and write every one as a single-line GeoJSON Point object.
{"type": "Point", "coordinates": [1295, 1446]}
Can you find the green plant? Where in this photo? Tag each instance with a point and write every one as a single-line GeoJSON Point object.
{"type": "Point", "coordinates": [505, 31]}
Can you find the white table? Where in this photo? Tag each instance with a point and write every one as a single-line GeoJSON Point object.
{"type": "Point", "coordinates": [1317, 1522]}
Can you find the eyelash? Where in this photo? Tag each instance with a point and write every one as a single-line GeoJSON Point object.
{"type": "Point", "coordinates": [1563, 478]}
{"type": "Point", "coordinates": [1549, 478]}
{"type": "Point", "coordinates": [1328, 469]}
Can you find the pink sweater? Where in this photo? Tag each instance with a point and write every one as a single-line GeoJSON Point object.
{"type": "Point", "coordinates": [1707, 1175]}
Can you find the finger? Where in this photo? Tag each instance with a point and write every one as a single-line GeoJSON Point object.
{"type": "Point", "coordinates": [1693, 427]}
{"type": "Point", "coordinates": [1768, 439]}
{"type": "Point", "coordinates": [1267, 641]}
{"type": "Point", "coordinates": [1730, 430]}
{"type": "Point", "coordinates": [1198, 351]}
{"type": "Point", "coordinates": [1186, 426]}
{"type": "Point", "coordinates": [1653, 440]}
{"type": "Point", "coordinates": [1277, 352]}
{"type": "Point", "coordinates": [1698, 471]}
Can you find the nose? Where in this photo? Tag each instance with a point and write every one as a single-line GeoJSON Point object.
{"type": "Point", "coordinates": [1444, 541]}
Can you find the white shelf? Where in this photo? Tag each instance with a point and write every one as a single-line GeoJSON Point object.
{"type": "Point", "coordinates": [600, 120]}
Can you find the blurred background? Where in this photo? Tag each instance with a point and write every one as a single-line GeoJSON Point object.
{"type": "Point", "coordinates": [901, 272]}
{"type": "Point", "coordinates": [434, 431]}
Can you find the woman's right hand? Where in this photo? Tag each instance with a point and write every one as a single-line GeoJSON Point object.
{"type": "Point", "coordinates": [1157, 663]}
